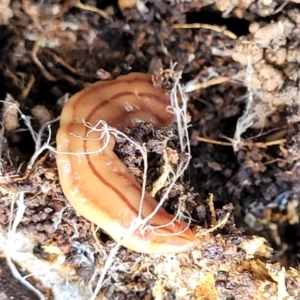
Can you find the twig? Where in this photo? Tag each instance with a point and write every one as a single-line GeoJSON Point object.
{"type": "Point", "coordinates": [28, 87]}
{"type": "Point", "coordinates": [218, 225]}
{"type": "Point", "coordinates": [60, 60]}
{"type": "Point", "coordinates": [212, 141]}
{"type": "Point", "coordinates": [207, 26]}
{"type": "Point", "coordinates": [101, 12]}
{"type": "Point", "coordinates": [211, 82]}
{"type": "Point", "coordinates": [266, 144]}
{"type": "Point", "coordinates": [194, 85]}
{"type": "Point", "coordinates": [33, 55]}
{"type": "Point", "coordinates": [248, 144]}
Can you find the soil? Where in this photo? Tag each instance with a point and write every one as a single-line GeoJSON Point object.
{"type": "Point", "coordinates": [240, 68]}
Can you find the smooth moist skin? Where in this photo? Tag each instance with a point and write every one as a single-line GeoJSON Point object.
{"type": "Point", "coordinates": [98, 185]}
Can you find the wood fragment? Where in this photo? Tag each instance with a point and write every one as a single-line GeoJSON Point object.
{"type": "Point", "coordinates": [248, 144]}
